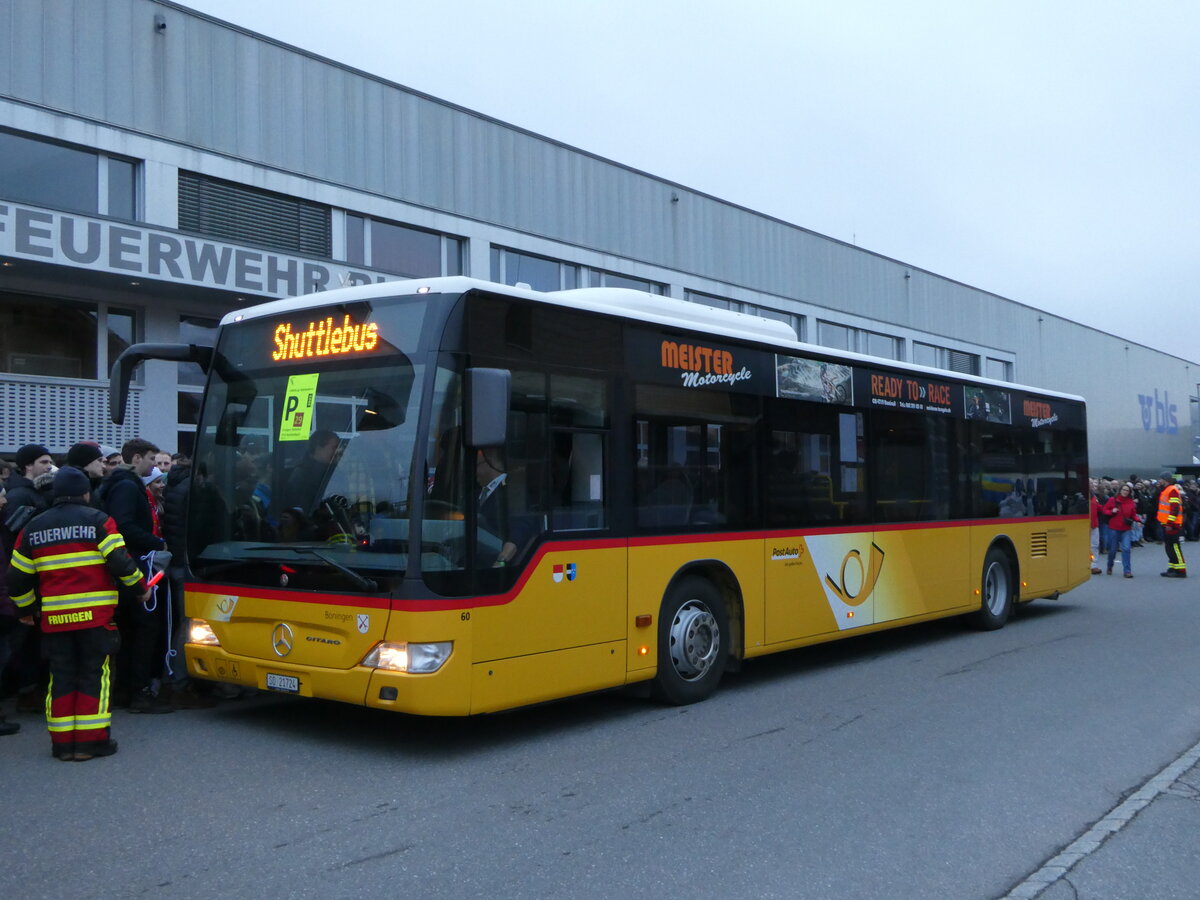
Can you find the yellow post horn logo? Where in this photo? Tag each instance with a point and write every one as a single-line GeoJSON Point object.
{"type": "Point", "coordinates": [868, 576]}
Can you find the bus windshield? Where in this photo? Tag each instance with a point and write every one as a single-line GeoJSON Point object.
{"type": "Point", "coordinates": [304, 451]}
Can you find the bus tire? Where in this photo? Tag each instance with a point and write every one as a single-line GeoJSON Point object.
{"type": "Point", "coordinates": [997, 590]}
{"type": "Point", "coordinates": [693, 642]}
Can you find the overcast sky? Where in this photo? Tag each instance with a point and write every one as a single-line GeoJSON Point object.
{"type": "Point", "coordinates": [1045, 150]}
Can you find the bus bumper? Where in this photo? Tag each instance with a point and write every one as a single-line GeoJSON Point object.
{"type": "Point", "coordinates": [443, 693]}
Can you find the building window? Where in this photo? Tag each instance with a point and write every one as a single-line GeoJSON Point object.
{"type": "Point", "coordinates": [356, 239]}
{"type": "Point", "coordinates": [541, 273]}
{"type": "Point", "coordinates": [945, 358]}
{"type": "Point", "coordinates": [831, 335]}
{"type": "Point", "coordinates": [600, 278]}
{"type": "Point", "coordinates": [121, 331]}
{"type": "Point", "coordinates": [999, 369]}
{"type": "Point", "coordinates": [48, 337]}
{"type": "Point", "coordinates": [967, 363]}
{"type": "Point", "coordinates": [401, 249]}
{"type": "Point", "coordinates": [858, 340]}
{"type": "Point", "coordinates": [881, 345]}
{"type": "Point", "coordinates": [122, 196]}
{"type": "Point", "coordinates": [234, 212]}
{"type": "Point", "coordinates": [58, 176]}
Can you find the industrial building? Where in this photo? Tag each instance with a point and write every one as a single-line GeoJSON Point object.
{"type": "Point", "coordinates": [159, 168]}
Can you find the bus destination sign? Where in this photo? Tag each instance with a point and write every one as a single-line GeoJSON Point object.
{"type": "Point", "coordinates": [324, 338]}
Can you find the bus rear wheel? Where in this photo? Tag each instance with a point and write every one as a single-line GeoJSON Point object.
{"type": "Point", "coordinates": [997, 589]}
{"type": "Point", "coordinates": [693, 635]}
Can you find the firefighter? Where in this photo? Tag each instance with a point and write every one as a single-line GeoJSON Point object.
{"type": "Point", "coordinates": [1170, 514]}
{"type": "Point", "coordinates": [73, 558]}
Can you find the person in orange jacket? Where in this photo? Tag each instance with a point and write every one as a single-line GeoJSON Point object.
{"type": "Point", "coordinates": [1170, 515]}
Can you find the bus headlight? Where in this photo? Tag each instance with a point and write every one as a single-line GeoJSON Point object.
{"type": "Point", "coordinates": [418, 659]}
{"type": "Point", "coordinates": [201, 633]}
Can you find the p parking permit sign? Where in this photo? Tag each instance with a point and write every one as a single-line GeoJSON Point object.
{"type": "Point", "coordinates": [298, 404]}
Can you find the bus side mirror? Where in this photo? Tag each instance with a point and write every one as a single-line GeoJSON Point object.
{"type": "Point", "coordinates": [487, 393]}
{"type": "Point", "coordinates": [134, 355]}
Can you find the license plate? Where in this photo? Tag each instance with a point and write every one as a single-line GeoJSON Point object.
{"type": "Point", "coordinates": [289, 684]}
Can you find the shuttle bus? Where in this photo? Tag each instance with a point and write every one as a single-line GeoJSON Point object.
{"type": "Point", "coordinates": [450, 497]}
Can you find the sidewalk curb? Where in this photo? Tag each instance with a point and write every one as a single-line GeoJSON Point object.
{"type": "Point", "coordinates": [1117, 818]}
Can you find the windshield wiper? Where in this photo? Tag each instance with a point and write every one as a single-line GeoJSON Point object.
{"type": "Point", "coordinates": [366, 584]}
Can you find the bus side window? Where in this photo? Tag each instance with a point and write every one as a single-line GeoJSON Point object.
{"type": "Point", "coordinates": [816, 472]}
{"type": "Point", "coordinates": [1002, 472]}
{"type": "Point", "coordinates": [695, 463]}
{"type": "Point", "coordinates": [915, 471]}
{"type": "Point", "coordinates": [577, 481]}
{"type": "Point", "coordinates": [527, 458]}
{"type": "Point", "coordinates": [447, 490]}
{"type": "Point", "coordinates": [579, 422]}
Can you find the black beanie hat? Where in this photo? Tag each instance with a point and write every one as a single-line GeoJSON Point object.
{"type": "Point", "coordinates": [29, 454]}
{"type": "Point", "coordinates": [70, 482]}
{"type": "Point", "coordinates": [83, 453]}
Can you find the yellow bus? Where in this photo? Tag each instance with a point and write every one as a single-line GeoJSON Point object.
{"type": "Point", "coordinates": [451, 497]}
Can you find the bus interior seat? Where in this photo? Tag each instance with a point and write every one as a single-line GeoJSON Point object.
{"type": "Point", "coordinates": [669, 503]}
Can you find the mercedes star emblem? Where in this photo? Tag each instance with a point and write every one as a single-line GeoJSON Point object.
{"type": "Point", "coordinates": [282, 640]}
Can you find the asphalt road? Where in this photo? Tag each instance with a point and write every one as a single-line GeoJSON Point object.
{"type": "Point", "coordinates": [931, 761]}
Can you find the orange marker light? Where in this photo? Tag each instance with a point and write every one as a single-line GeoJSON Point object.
{"type": "Point", "coordinates": [643, 621]}
{"type": "Point", "coordinates": [643, 650]}
{"type": "Point", "coordinates": [850, 614]}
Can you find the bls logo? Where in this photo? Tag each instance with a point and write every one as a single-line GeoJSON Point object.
{"type": "Point", "coordinates": [856, 581]}
{"type": "Point", "coordinates": [1165, 414]}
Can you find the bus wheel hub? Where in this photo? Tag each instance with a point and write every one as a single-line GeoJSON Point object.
{"type": "Point", "coordinates": [695, 639]}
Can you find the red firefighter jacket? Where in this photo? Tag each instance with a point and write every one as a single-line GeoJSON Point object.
{"type": "Point", "coordinates": [73, 557]}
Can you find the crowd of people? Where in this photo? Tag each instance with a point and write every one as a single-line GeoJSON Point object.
{"type": "Point", "coordinates": [84, 628]}
{"type": "Point", "coordinates": [1133, 513]}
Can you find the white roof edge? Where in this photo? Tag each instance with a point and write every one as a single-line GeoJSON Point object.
{"type": "Point", "coordinates": [626, 303]}
{"type": "Point", "coordinates": [451, 283]}
{"type": "Point", "coordinates": [641, 305]}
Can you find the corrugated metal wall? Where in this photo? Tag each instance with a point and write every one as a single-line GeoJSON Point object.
{"type": "Point", "coordinates": [194, 83]}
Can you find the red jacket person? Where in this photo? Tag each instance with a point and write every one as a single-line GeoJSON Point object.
{"type": "Point", "coordinates": [73, 558]}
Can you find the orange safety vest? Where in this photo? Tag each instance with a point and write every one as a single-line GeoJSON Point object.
{"type": "Point", "coordinates": [1170, 506]}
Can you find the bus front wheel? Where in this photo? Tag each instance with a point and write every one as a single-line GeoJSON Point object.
{"type": "Point", "coordinates": [997, 589]}
{"type": "Point", "coordinates": [693, 636]}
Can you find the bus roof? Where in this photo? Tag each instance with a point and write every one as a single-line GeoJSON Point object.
{"type": "Point", "coordinates": [623, 302]}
